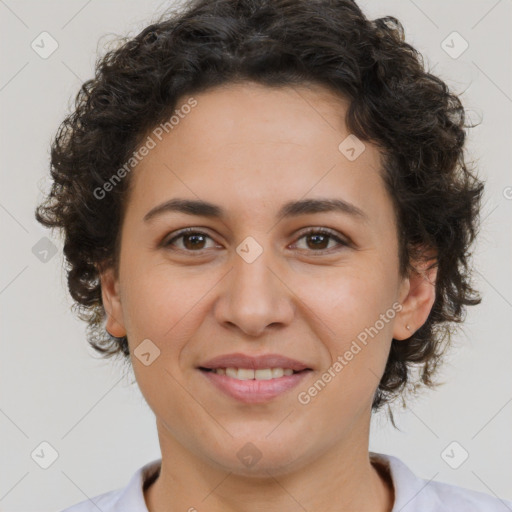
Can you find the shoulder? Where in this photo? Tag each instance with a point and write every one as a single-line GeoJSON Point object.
{"type": "Point", "coordinates": [127, 499]}
{"type": "Point", "coordinates": [450, 496]}
{"type": "Point", "coordinates": [415, 494]}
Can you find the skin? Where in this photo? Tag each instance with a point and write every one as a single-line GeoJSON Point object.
{"type": "Point", "coordinates": [250, 149]}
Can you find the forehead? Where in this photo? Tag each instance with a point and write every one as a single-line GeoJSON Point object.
{"type": "Point", "coordinates": [247, 146]}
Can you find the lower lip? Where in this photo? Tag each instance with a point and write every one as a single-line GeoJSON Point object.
{"type": "Point", "coordinates": [254, 391]}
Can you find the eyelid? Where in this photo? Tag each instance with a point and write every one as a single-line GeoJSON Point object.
{"type": "Point", "coordinates": [185, 231]}
{"type": "Point", "coordinates": [323, 230]}
{"type": "Point", "coordinates": [342, 241]}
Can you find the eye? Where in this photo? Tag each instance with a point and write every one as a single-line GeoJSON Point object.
{"type": "Point", "coordinates": [320, 238]}
{"type": "Point", "coordinates": [192, 240]}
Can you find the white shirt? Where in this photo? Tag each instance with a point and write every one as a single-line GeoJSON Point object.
{"type": "Point", "coordinates": [412, 494]}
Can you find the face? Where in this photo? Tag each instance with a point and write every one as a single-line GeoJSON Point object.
{"type": "Point", "coordinates": [306, 283]}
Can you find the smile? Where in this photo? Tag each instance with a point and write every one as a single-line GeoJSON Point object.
{"type": "Point", "coordinates": [249, 373]}
{"type": "Point", "coordinates": [254, 386]}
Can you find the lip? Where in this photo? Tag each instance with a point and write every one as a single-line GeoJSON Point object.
{"type": "Point", "coordinates": [254, 391]}
{"type": "Point", "coordinates": [239, 360]}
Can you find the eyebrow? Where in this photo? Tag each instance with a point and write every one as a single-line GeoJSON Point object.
{"type": "Point", "coordinates": [290, 209]}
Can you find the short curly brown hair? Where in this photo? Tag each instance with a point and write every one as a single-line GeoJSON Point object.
{"type": "Point", "coordinates": [395, 103]}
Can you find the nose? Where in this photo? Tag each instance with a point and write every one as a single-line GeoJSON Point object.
{"type": "Point", "coordinates": [254, 297]}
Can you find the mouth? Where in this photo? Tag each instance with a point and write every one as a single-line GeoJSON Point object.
{"type": "Point", "coordinates": [253, 386]}
{"type": "Point", "coordinates": [252, 374]}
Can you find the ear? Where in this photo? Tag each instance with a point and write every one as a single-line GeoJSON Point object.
{"type": "Point", "coordinates": [112, 302]}
{"type": "Point", "coordinates": [417, 296]}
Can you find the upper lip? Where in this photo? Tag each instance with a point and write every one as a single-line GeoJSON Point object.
{"type": "Point", "coordinates": [239, 360]}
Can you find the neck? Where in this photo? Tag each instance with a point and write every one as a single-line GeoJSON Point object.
{"type": "Point", "coordinates": [344, 480]}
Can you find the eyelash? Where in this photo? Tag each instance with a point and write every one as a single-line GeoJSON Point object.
{"type": "Point", "coordinates": [311, 231]}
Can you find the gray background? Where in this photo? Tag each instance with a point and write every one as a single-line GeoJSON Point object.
{"type": "Point", "coordinates": [54, 389]}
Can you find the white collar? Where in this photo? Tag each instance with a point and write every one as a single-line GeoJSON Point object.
{"type": "Point", "coordinates": [412, 494]}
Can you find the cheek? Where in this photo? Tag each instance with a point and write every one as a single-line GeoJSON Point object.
{"type": "Point", "coordinates": [349, 298]}
{"type": "Point", "coordinates": [356, 305]}
{"type": "Point", "coordinates": [155, 297]}
{"type": "Point", "coordinates": [163, 306]}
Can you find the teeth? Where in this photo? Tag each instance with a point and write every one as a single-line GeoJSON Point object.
{"type": "Point", "coordinates": [248, 373]}
{"type": "Point", "coordinates": [263, 374]}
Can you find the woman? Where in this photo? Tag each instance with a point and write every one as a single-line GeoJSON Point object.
{"type": "Point", "coordinates": [268, 212]}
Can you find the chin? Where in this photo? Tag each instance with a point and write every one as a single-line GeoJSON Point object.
{"type": "Point", "coordinates": [260, 459]}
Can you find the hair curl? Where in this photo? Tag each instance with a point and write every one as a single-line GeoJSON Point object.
{"type": "Point", "coordinates": [410, 114]}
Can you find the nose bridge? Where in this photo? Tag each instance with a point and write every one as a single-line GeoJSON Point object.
{"type": "Point", "coordinates": [254, 297]}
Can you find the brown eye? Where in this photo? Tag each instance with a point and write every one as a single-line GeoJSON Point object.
{"type": "Point", "coordinates": [318, 240]}
{"type": "Point", "coordinates": [193, 241]}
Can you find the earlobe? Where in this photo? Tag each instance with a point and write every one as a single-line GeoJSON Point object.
{"type": "Point", "coordinates": [419, 294]}
{"type": "Point", "coordinates": [112, 303]}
